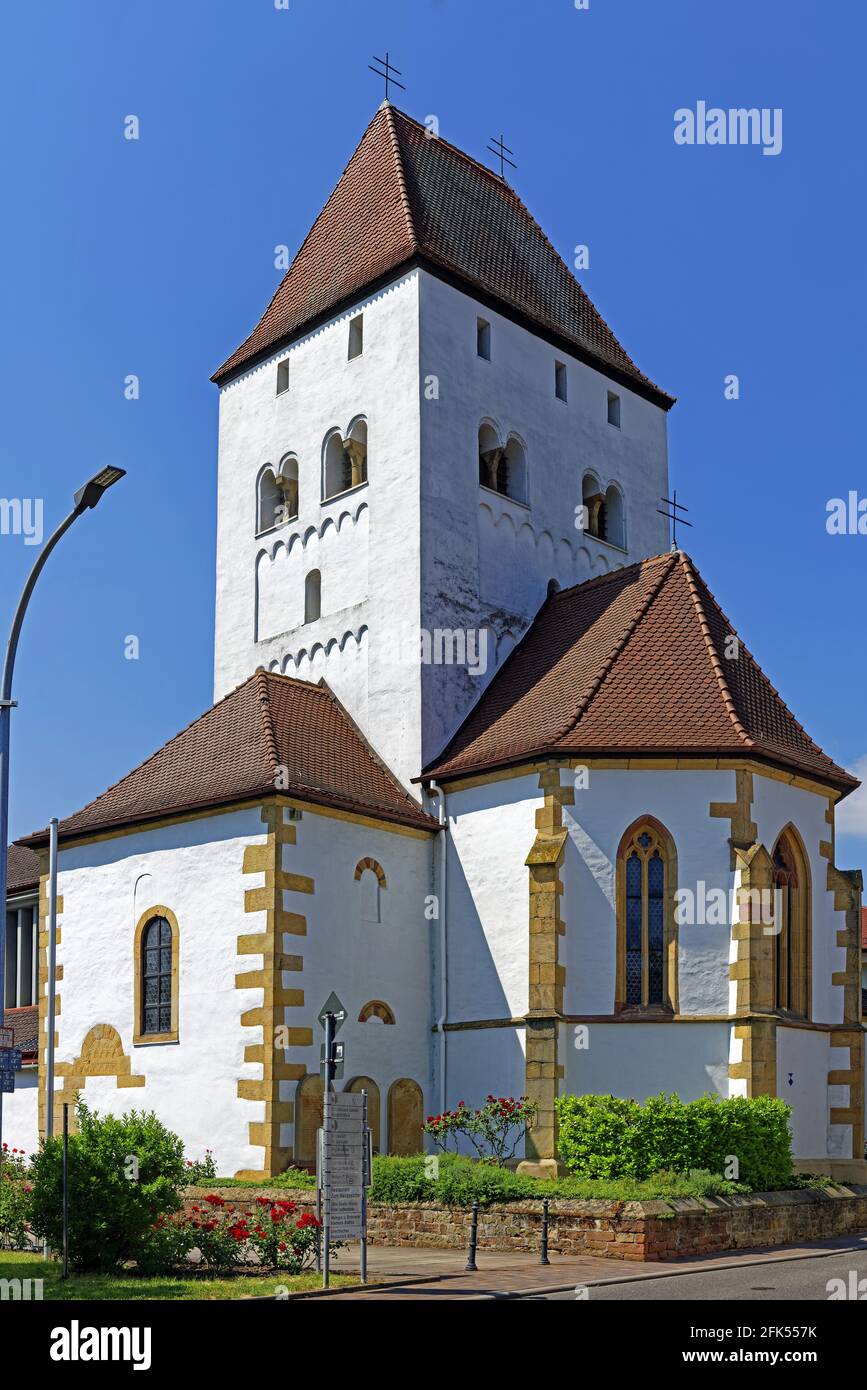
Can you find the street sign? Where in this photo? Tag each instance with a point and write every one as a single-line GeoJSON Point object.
{"type": "Point", "coordinates": [10, 1058]}
{"type": "Point", "coordinates": [343, 1154]}
{"type": "Point", "coordinates": [337, 1058]}
{"type": "Point", "coordinates": [333, 1006]}
{"type": "Point", "coordinates": [7, 1082]}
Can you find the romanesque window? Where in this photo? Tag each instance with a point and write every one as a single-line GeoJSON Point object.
{"type": "Point", "coordinates": [345, 460]}
{"type": "Point", "coordinates": [483, 339]}
{"type": "Point", "coordinates": [615, 531]}
{"type": "Point", "coordinates": [646, 933]}
{"type": "Point", "coordinates": [614, 409]}
{"type": "Point", "coordinates": [269, 500]}
{"type": "Point", "coordinates": [595, 506]}
{"type": "Point", "coordinates": [282, 376]}
{"type": "Point", "coordinates": [313, 596]}
{"type": "Point", "coordinates": [356, 336]}
{"type": "Point", "coordinates": [287, 481]}
{"type": "Point", "coordinates": [503, 469]}
{"type": "Point", "coordinates": [370, 877]}
{"type": "Point", "coordinates": [791, 919]}
{"type": "Point", "coordinates": [156, 977]}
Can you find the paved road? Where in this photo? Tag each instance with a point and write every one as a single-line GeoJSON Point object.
{"type": "Point", "coordinates": [792, 1280]}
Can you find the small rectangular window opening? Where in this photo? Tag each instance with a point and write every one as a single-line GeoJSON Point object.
{"type": "Point", "coordinates": [282, 377]}
{"type": "Point", "coordinates": [483, 339]}
{"type": "Point", "coordinates": [356, 336]}
{"type": "Point", "coordinates": [560, 380]}
{"type": "Point", "coordinates": [614, 409]}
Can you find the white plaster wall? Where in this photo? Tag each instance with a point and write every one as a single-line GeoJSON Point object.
{"type": "Point", "coordinates": [360, 960]}
{"type": "Point", "coordinates": [21, 1113]}
{"type": "Point", "coordinates": [484, 559]}
{"type": "Point", "coordinates": [775, 805]}
{"type": "Point", "coordinates": [195, 869]}
{"type": "Point", "coordinates": [637, 1060]}
{"type": "Point", "coordinates": [370, 567]}
{"type": "Point", "coordinates": [602, 812]}
{"type": "Point", "coordinates": [491, 832]}
{"type": "Point", "coordinates": [802, 1082]}
{"type": "Point", "coordinates": [482, 1062]}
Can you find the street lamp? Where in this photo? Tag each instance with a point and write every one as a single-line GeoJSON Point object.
{"type": "Point", "coordinates": [86, 498]}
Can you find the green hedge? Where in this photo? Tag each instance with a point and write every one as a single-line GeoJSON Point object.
{"type": "Point", "coordinates": [607, 1137]}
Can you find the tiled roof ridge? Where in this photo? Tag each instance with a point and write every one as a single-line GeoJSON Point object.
{"type": "Point", "coordinates": [462, 154]}
{"type": "Point", "coordinates": [689, 572]}
{"type": "Point", "coordinates": [262, 684]}
{"type": "Point", "coordinates": [586, 699]}
{"type": "Point", "coordinates": [757, 667]}
{"type": "Point", "coordinates": [390, 112]}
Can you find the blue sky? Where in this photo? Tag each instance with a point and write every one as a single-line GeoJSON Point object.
{"type": "Point", "coordinates": [156, 257]}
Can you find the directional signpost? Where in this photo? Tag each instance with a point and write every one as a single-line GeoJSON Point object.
{"type": "Point", "coordinates": [343, 1151]}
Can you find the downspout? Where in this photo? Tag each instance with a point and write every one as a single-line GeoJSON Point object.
{"type": "Point", "coordinates": [439, 1027]}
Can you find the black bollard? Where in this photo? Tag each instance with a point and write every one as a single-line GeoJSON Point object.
{"type": "Point", "coordinates": [474, 1240]}
{"type": "Point", "coordinates": [543, 1258]}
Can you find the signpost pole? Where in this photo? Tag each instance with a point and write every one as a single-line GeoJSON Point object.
{"type": "Point", "coordinates": [52, 977]}
{"type": "Point", "coordinates": [65, 1191]}
{"type": "Point", "coordinates": [364, 1182]}
{"type": "Point", "coordinates": [326, 1119]}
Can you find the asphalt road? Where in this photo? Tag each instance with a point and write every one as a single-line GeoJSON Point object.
{"type": "Point", "coordinates": [798, 1280]}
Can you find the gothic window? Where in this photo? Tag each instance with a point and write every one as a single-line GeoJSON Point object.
{"type": "Point", "coordinates": [312, 596]}
{"type": "Point", "coordinates": [646, 938]}
{"type": "Point", "coordinates": [791, 939]}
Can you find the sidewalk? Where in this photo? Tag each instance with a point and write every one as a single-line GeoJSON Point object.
{"type": "Point", "coordinates": [425, 1274]}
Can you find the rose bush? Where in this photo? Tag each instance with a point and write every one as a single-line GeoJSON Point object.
{"type": "Point", "coordinates": [495, 1129]}
{"type": "Point", "coordinates": [275, 1237]}
{"type": "Point", "coordinates": [15, 1199]}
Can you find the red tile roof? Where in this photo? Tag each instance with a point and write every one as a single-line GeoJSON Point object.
{"type": "Point", "coordinates": [25, 1029]}
{"type": "Point", "coordinates": [22, 869]}
{"type": "Point", "coordinates": [405, 197]}
{"type": "Point", "coordinates": [235, 751]}
{"type": "Point", "coordinates": [633, 663]}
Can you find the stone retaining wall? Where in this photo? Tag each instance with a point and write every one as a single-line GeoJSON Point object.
{"type": "Point", "coordinates": [659, 1230]}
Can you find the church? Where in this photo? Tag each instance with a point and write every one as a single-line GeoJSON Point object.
{"type": "Point", "coordinates": [483, 745]}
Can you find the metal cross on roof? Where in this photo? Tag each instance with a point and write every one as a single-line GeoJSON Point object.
{"type": "Point", "coordinates": [673, 517]}
{"type": "Point", "coordinates": [388, 69]}
{"type": "Point", "coordinates": [501, 150]}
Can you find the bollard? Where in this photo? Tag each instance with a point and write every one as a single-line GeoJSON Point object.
{"type": "Point", "coordinates": [474, 1240]}
{"type": "Point", "coordinates": [543, 1257]}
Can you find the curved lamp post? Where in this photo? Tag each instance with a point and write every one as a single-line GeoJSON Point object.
{"type": "Point", "coordinates": [85, 498]}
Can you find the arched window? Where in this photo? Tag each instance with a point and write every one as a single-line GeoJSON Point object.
{"type": "Point", "coordinates": [269, 501]}
{"type": "Point", "coordinates": [156, 977]}
{"type": "Point", "coordinates": [312, 596]}
{"type": "Point", "coordinates": [345, 460]}
{"type": "Point", "coordinates": [287, 481]}
{"type": "Point", "coordinates": [503, 470]}
{"type": "Point", "coordinates": [646, 931]}
{"type": "Point", "coordinates": [594, 500]}
{"type": "Point", "coordinates": [615, 531]}
{"type": "Point", "coordinates": [791, 918]}
{"type": "Point", "coordinates": [371, 878]}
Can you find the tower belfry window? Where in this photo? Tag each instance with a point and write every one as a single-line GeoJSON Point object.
{"type": "Point", "coordinates": [313, 596]}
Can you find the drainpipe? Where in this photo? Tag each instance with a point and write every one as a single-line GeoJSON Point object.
{"type": "Point", "coordinates": [439, 792]}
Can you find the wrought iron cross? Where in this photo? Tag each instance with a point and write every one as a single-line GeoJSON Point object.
{"type": "Point", "coordinates": [387, 69]}
{"type": "Point", "coordinates": [673, 517]}
{"type": "Point", "coordinates": [501, 150]}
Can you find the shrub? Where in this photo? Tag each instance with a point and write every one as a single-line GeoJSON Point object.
{"type": "Point", "coordinates": [494, 1130]}
{"type": "Point", "coordinates": [124, 1173]}
{"type": "Point", "coordinates": [451, 1179]}
{"type": "Point", "coordinates": [15, 1200]}
{"type": "Point", "coordinates": [609, 1137]}
{"type": "Point", "coordinates": [272, 1238]}
{"type": "Point", "coordinates": [201, 1171]}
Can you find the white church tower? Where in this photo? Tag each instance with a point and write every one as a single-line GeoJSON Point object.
{"type": "Point", "coordinates": [430, 426]}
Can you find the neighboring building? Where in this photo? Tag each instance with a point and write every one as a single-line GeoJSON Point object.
{"type": "Point", "coordinates": [486, 759]}
{"type": "Point", "coordinates": [21, 1010]}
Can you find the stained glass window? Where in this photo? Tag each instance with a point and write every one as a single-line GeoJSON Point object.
{"type": "Point", "coordinates": [157, 977]}
{"type": "Point", "coordinates": [633, 929]}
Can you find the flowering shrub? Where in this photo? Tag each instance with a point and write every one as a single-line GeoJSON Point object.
{"type": "Point", "coordinates": [272, 1238]}
{"type": "Point", "coordinates": [15, 1199]}
{"type": "Point", "coordinates": [201, 1170]}
{"type": "Point", "coordinates": [494, 1130]}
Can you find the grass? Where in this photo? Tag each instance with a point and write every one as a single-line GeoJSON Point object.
{"type": "Point", "coordinates": [296, 1178]}
{"type": "Point", "coordinates": [127, 1287]}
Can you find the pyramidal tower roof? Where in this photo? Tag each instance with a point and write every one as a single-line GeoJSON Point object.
{"type": "Point", "coordinates": [408, 198]}
{"type": "Point", "coordinates": [638, 663]}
